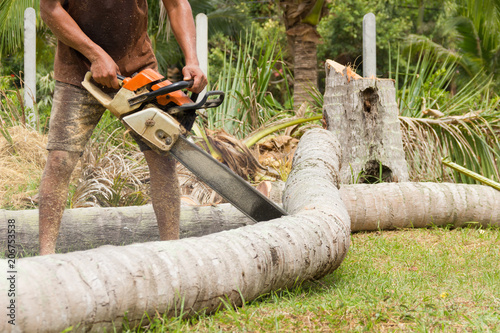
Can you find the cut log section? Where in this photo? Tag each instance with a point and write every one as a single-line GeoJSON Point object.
{"type": "Point", "coordinates": [389, 206]}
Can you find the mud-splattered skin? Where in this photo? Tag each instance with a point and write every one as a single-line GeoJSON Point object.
{"type": "Point", "coordinates": [74, 116]}
{"type": "Point", "coordinates": [53, 193]}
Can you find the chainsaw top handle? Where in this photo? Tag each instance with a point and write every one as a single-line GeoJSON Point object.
{"type": "Point", "coordinates": [210, 100]}
{"type": "Point", "coordinates": [149, 96]}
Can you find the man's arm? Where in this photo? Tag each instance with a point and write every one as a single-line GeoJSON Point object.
{"type": "Point", "coordinates": [181, 20]}
{"type": "Point", "coordinates": [103, 67]}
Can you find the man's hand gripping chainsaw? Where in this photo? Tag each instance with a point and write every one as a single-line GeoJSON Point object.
{"type": "Point", "coordinates": [153, 107]}
{"type": "Point", "coordinates": [161, 114]}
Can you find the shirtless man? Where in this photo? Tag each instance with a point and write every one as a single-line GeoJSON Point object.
{"type": "Point", "coordinates": [107, 37]}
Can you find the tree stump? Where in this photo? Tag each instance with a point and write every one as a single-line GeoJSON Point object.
{"type": "Point", "coordinates": [363, 114]}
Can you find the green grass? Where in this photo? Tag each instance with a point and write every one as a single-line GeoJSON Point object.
{"type": "Point", "coordinates": [419, 280]}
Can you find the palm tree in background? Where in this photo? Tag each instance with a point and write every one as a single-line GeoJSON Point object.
{"type": "Point", "coordinates": [478, 27]}
{"type": "Point", "coordinates": [472, 45]}
{"type": "Point", "coordinates": [301, 19]}
{"type": "Point", "coordinates": [473, 31]}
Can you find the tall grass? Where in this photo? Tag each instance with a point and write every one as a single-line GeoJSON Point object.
{"type": "Point", "coordinates": [12, 108]}
{"type": "Point", "coordinates": [21, 164]}
{"type": "Point", "coordinates": [245, 79]}
{"type": "Point", "coordinates": [12, 111]}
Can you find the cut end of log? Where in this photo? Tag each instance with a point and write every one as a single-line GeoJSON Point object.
{"type": "Point", "coordinates": [351, 74]}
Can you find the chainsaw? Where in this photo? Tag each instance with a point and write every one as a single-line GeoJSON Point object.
{"type": "Point", "coordinates": [161, 114]}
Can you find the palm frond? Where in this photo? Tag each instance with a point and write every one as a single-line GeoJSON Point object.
{"type": "Point", "coordinates": [471, 174]}
{"type": "Point", "coordinates": [12, 23]}
{"type": "Point", "coordinates": [414, 86]}
{"type": "Point", "coordinates": [236, 154]}
{"type": "Point", "coordinates": [471, 143]}
{"type": "Point", "coordinates": [464, 126]}
{"type": "Point", "coordinates": [194, 191]}
{"type": "Point", "coordinates": [111, 175]}
{"type": "Point", "coordinates": [418, 44]}
{"type": "Point", "coordinates": [485, 17]}
{"type": "Point", "coordinates": [245, 78]}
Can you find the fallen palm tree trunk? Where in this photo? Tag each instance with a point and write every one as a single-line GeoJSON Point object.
{"type": "Point", "coordinates": [404, 205]}
{"type": "Point", "coordinates": [371, 207]}
{"type": "Point", "coordinates": [86, 228]}
{"type": "Point", "coordinates": [94, 289]}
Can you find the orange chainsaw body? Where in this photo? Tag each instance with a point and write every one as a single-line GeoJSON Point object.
{"type": "Point", "coordinates": [155, 80]}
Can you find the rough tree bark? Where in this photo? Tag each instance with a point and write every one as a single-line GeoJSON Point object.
{"type": "Point", "coordinates": [371, 207]}
{"type": "Point", "coordinates": [363, 113]}
{"type": "Point", "coordinates": [95, 288]}
{"type": "Point", "coordinates": [305, 69]}
{"type": "Point", "coordinates": [86, 228]}
{"type": "Point", "coordinates": [301, 19]}
{"type": "Point", "coordinates": [403, 205]}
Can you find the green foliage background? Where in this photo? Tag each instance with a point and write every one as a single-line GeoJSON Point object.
{"type": "Point", "coordinates": [442, 54]}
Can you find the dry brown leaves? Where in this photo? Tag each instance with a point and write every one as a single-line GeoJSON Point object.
{"type": "Point", "coordinates": [277, 153]}
{"type": "Point", "coordinates": [104, 166]}
{"type": "Point", "coordinates": [269, 160]}
{"type": "Point", "coordinates": [21, 166]}
{"type": "Point", "coordinates": [110, 178]}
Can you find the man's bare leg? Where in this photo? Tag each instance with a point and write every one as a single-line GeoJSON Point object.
{"type": "Point", "coordinates": [54, 189]}
{"type": "Point", "coordinates": [165, 193]}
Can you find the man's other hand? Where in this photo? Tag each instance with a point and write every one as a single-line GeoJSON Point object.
{"type": "Point", "coordinates": [104, 71]}
{"type": "Point", "coordinates": [193, 72]}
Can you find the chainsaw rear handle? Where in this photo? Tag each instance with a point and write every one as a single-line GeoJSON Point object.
{"type": "Point", "coordinates": [146, 97]}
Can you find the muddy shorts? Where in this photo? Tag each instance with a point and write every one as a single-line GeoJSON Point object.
{"type": "Point", "coordinates": [75, 113]}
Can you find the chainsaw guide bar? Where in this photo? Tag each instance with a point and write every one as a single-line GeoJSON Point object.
{"type": "Point", "coordinates": [225, 182]}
